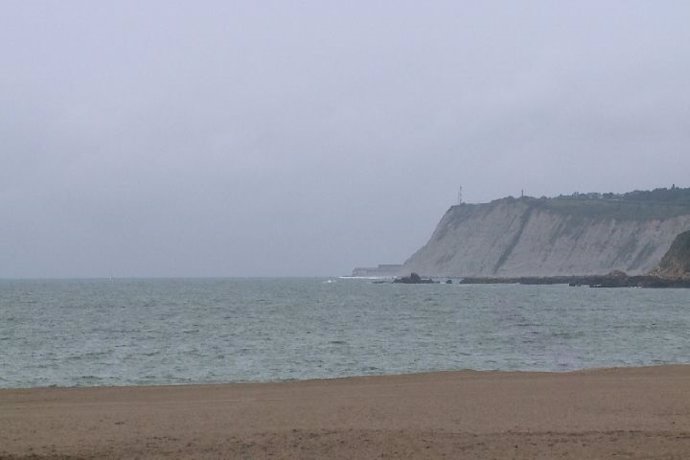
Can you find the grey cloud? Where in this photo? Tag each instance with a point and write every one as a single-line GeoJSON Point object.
{"type": "Point", "coordinates": [274, 138]}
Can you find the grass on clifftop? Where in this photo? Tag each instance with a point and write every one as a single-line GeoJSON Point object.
{"type": "Point", "coordinates": [638, 205]}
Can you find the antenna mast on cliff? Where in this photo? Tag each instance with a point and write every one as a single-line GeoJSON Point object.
{"type": "Point", "coordinates": [460, 195]}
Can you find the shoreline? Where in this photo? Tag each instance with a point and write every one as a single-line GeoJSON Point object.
{"type": "Point", "coordinates": [357, 377]}
{"type": "Point", "coordinates": [614, 280]}
{"type": "Point", "coordinates": [643, 412]}
{"type": "Point", "coordinates": [346, 377]}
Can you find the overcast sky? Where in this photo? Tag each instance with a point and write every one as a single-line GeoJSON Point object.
{"type": "Point", "coordinates": [259, 138]}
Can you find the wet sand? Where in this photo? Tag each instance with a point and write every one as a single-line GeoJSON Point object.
{"type": "Point", "coordinates": [609, 413]}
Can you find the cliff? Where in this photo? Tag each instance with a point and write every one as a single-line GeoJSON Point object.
{"type": "Point", "coordinates": [575, 235]}
{"type": "Point", "coordinates": [676, 262]}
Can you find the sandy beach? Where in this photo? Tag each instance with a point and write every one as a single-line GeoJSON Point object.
{"type": "Point", "coordinates": [608, 413]}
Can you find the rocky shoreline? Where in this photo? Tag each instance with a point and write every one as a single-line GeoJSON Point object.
{"type": "Point", "coordinates": [612, 280]}
{"type": "Point", "coordinates": [594, 281]}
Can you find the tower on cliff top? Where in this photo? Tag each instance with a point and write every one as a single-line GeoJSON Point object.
{"type": "Point", "coordinates": [460, 195]}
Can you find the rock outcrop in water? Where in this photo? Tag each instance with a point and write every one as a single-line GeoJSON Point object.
{"type": "Point", "coordinates": [413, 279]}
{"type": "Point", "coordinates": [576, 235]}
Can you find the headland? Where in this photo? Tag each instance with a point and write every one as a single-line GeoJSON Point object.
{"type": "Point", "coordinates": [574, 235]}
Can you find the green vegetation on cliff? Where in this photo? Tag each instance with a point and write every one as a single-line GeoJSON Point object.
{"type": "Point", "coordinates": [660, 203]}
{"type": "Point", "coordinates": [676, 262]}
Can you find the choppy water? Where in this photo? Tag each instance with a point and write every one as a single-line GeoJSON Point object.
{"type": "Point", "coordinates": [122, 332]}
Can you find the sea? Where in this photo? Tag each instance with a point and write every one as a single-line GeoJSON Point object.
{"type": "Point", "coordinates": [109, 332]}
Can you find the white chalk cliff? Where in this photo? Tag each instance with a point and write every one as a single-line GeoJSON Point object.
{"type": "Point", "coordinates": [547, 237]}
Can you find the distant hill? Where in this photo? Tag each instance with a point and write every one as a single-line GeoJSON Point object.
{"type": "Point", "coordinates": [579, 234]}
{"type": "Point", "coordinates": [381, 271]}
